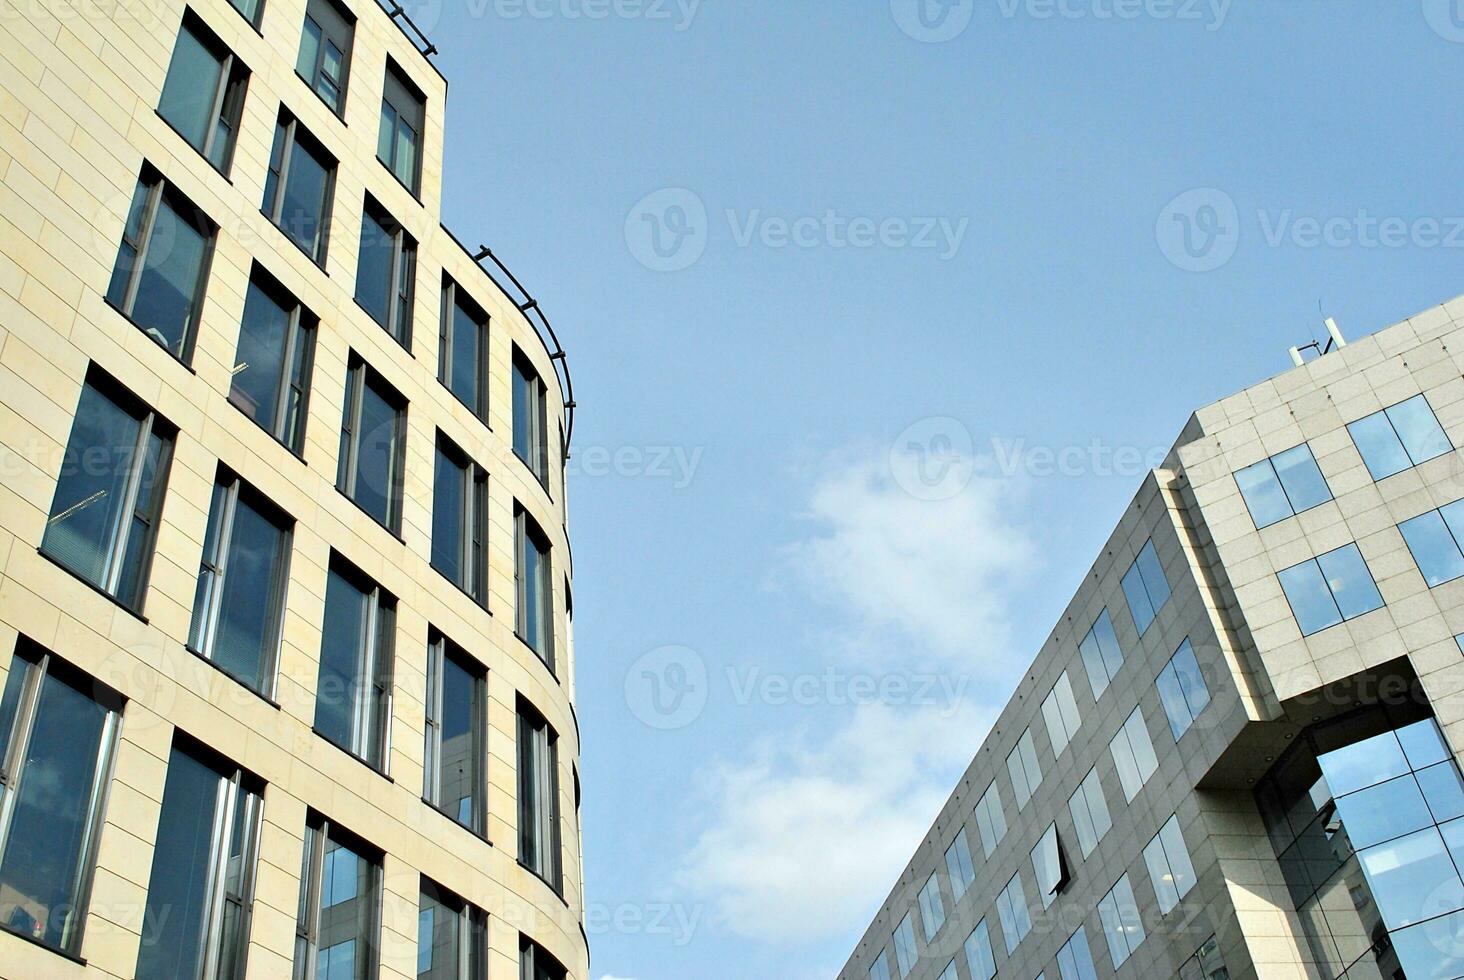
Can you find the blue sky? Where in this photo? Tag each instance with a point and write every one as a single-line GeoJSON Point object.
{"type": "Point", "coordinates": [871, 334]}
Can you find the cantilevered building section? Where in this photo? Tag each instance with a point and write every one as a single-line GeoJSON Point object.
{"type": "Point", "coordinates": [1236, 756]}
{"type": "Point", "coordinates": [285, 643]}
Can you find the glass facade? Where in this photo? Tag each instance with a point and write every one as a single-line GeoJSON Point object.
{"type": "Point", "coordinates": [1399, 437]}
{"type": "Point", "coordinates": [1182, 689]}
{"type": "Point", "coordinates": [1011, 908]}
{"type": "Point", "coordinates": [979, 958]}
{"type": "Point", "coordinates": [1282, 486]}
{"type": "Point", "coordinates": [1060, 711]}
{"type": "Point", "coordinates": [1102, 656]}
{"type": "Point", "coordinates": [1145, 587]}
{"type": "Point", "coordinates": [1329, 589]}
{"type": "Point", "coordinates": [932, 908]}
{"type": "Point", "coordinates": [1023, 768]}
{"type": "Point", "coordinates": [958, 865]}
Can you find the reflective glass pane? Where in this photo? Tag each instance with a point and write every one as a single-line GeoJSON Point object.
{"type": "Point", "coordinates": [1432, 949]}
{"type": "Point", "coordinates": [1311, 601]}
{"type": "Point", "coordinates": [979, 957]}
{"type": "Point", "coordinates": [460, 762]}
{"type": "Point", "coordinates": [1442, 790]}
{"type": "Point", "coordinates": [1384, 811]}
{"type": "Point", "coordinates": [249, 608]}
{"type": "Point", "coordinates": [1153, 573]}
{"type": "Point", "coordinates": [177, 895]}
{"type": "Point", "coordinates": [1191, 679]}
{"type": "Point", "coordinates": [376, 456]}
{"type": "Point", "coordinates": [374, 269]}
{"type": "Point", "coordinates": [1263, 495]}
{"type": "Point", "coordinates": [259, 363]}
{"type": "Point", "coordinates": [1378, 443]}
{"type": "Point", "coordinates": [302, 214]}
{"type": "Point", "coordinates": [190, 88]}
{"type": "Point", "coordinates": [1418, 429]}
{"type": "Point", "coordinates": [1433, 548]}
{"type": "Point", "coordinates": [448, 503]}
{"type": "Point", "coordinates": [310, 40]}
{"type": "Point", "coordinates": [1365, 763]}
{"type": "Point", "coordinates": [1412, 878]}
{"type": "Point", "coordinates": [1350, 581]}
{"type": "Point", "coordinates": [342, 634]}
{"type": "Point", "coordinates": [1305, 487]}
{"type": "Point", "coordinates": [1138, 599]}
{"type": "Point", "coordinates": [1171, 696]}
{"type": "Point", "coordinates": [170, 279]}
{"type": "Point", "coordinates": [466, 335]}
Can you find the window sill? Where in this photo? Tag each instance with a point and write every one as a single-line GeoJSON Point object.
{"type": "Point", "coordinates": [136, 614]}
{"type": "Point", "coordinates": [273, 438]}
{"type": "Point", "coordinates": [404, 345]}
{"type": "Point", "coordinates": [340, 113]}
{"type": "Point", "coordinates": [480, 603]}
{"type": "Point", "coordinates": [218, 170]}
{"type": "Point", "coordinates": [192, 328]}
{"type": "Point", "coordinates": [349, 754]}
{"type": "Point", "coordinates": [325, 233]}
{"type": "Point", "coordinates": [547, 884]}
{"type": "Point", "coordinates": [456, 822]}
{"type": "Point", "coordinates": [257, 693]}
{"type": "Point", "coordinates": [416, 194]}
{"type": "Point", "coordinates": [7, 930]}
{"type": "Point", "coordinates": [537, 656]}
{"type": "Point", "coordinates": [374, 519]}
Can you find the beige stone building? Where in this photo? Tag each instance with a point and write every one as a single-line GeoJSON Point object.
{"type": "Point", "coordinates": [285, 615]}
{"type": "Point", "coordinates": [1236, 756]}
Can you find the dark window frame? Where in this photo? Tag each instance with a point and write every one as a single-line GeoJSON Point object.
{"type": "Point", "coordinates": [297, 363]}
{"type": "Point", "coordinates": [524, 373]}
{"type": "Point", "coordinates": [454, 298]}
{"type": "Point", "coordinates": [440, 649]}
{"type": "Point", "coordinates": [397, 85]}
{"type": "Point", "coordinates": [338, 31]}
{"type": "Point", "coordinates": [540, 838]}
{"type": "Point", "coordinates": [401, 291]}
{"type": "Point", "coordinates": [527, 534]}
{"type": "Point", "coordinates": [472, 544]}
{"type": "Point", "coordinates": [320, 831]}
{"type": "Point", "coordinates": [360, 375]}
{"type": "Point", "coordinates": [292, 136]}
{"type": "Point", "coordinates": [231, 89]}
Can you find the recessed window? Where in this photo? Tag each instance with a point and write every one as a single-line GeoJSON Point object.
{"type": "Point", "coordinates": [535, 962]}
{"type": "Point", "coordinates": [1433, 539]}
{"type": "Point", "coordinates": [1023, 768]}
{"type": "Point", "coordinates": [271, 376]}
{"type": "Point", "coordinates": [1399, 437]}
{"type": "Point", "coordinates": [462, 349]}
{"type": "Point", "coordinates": [1182, 689]}
{"type": "Point", "coordinates": [239, 603]}
{"type": "Point", "coordinates": [460, 521]}
{"type": "Point", "coordinates": [1206, 964]}
{"type": "Point", "coordinates": [1282, 486]}
{"type": "Point", "coordinates": [1060, 711]}
{"type": "Point", "coordinates": [538, 790]}
{"type": "Point", "coordinates": [386, 273]}
{"type": "Point", "coordinates": [340, 905]}
{"type": "Point", "coordinates": [373, 446]}
{"type": "Point", "coordinates": [353, 690]}
{"type": "Point", "coordinates": [905, 954]}
{"type": "Point", "coordinates": [1329, 589]}
{"type": "Point", "coordinates": [104, 517]}
{"type": "Point", "coordinates": [201, 889]}
{"type": "Point", "coordinates": [979, 957]}
{"type": "Point", "coordinates": [1075, 959]}
{"type": "Point", "coordinates": [1102, 656]}
{"type": "Point", "coordinates": [530, 430]}
{"type": "Point", "coordinates": [250, 9]}
{"type": "Point", "coordinates": [203, 94]}
{"type": "Point", "coordinates": [958, 865]}
{"type": "Point", "coordinates": [932, 909]}
{"type": "Point", "coordinates": [1145, 587]}
{"type": "Point", "coordinates": [1122, 923]}
{"type": "Point", "coordinates": [534, 587]}
{"type": "Point", "coordinates": [456, 768]}
{"type": "Point", "coordinates": [1133, 755]}
{"type": "Point", "coordinates": [880, 969]}
{"type": "Point", "coordinates": [1089, 808]}
{"type": "Point", "coordinates": [403, 118]}
{"type": "Point", "coordinates": [1169, 865]}
{"type": "Point", "coordinates": [1011, 908]}
{"type": "Point", "coordinates": [325, 51]}
{"type": "Point", "coordinates": [58, 734]}
{"type": "Point", "coordinates": [299, 188]}
{"type": "Point", "coordinates": [990, 820]}
{"type": "Point", "coordinates": [452, 936]}
{"type": "Point", "coordinates": [162, 265]}
{"type": "Point", "coordinates": [1050, 866]}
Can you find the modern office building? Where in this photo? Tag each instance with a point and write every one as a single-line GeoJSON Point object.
{"type": "Point", "coordinates": [285, 627]}
{"type": "Point", "coordinates": [1237, 754]}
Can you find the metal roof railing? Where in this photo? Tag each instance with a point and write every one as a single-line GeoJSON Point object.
{"type": "Point", "coordinates": [409, 27]}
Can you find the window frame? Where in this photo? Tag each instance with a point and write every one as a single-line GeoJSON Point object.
{"type": "Point", "coordinates": [1084, 795]}
{"type": "Point", "coordinates": [1124, 736]}
{"type": "Point", "coordinates": [360, 375]}
{"type": "Point", "coordinates": [320, 831]}
{"type": "Point", "coordinates": [1083, 969]}
{"type": "Point", "coordinates": [401, 286]}
{"type": "Point", "coordinates": [1049, 849]}
{"type": "Point", "coordinates": [1116, 920]}
{"type": "Point", "coordinates": [231, 87]}
{"type": "Point", "coordinates": [472, 522]}
{"type": "Point", "coordinates": [1321, 574]}
{"type": "Point", "coordinates": [344, 45]}
{"type": "Point", "coordinates": [1014, 927]}
{"type": "Point", "coordinates": [297, 361]}
{"type": "Point", "coordinates": [258, 17]}
{"type": "Point", "coordinates": [452, 296]}
{"type": "Point", "coordinates": [440, 649]}
{"type": "Point", "coordinates": [1148, 555]}
{"type": "Point", "coordinates": [981, 934]}
{"type": "Point", "coordinates": [524, 373]}
{"type": "Point", "coordinates": [1159, 859]}
{"type": "Point", "coordinates": [990, 811]}
{"type": "Point", "coordinates": [906, 952]}
{"type": "Point", "coordinates": [373, 696]}
{"type": "Point", "coordinates": [1442, 514]}
{"type": "Point", "coordinates": [472, 930]}
{"type": "Point", "coordinates": [932, 908]}
{"type": "Point", "coordinates": [526, 530]}
{"type": "Point", "coordinates": [1384, 413]}
{"type": "Point", "coordinates": [530, 967]}
{"type": "Point", "coordinates": [538, 771]}
{"type": "Point", "coordinates": [1095, 654]}
{"type": "Point", "coordinates": [1060, 711]}
{"type": "Point", "coordinates": [395, 76]}
{"type": "Point", "coordinates": [959, 865]}
{"type": "Point", "coordinates": [1021, 765]}
{"type": "Point", "coordinates": [1286, 493]}
{"type": "Point", "coordinates": [288, 139]}
{"type": "Point", "coordinates": [1176, 694]}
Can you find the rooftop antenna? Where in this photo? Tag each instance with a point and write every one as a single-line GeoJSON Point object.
{"type": "Point", "coordinates": [1334, 340]}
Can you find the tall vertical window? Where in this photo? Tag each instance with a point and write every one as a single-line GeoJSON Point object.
{"type": "Point", "coordinates": [299, 187]}
{"type": "Point", "coordinates": [1075, 959]}
{"type": "Point", "coordinates": [58, 734]}
{"type": "Point", "coordinates": [1060, 711]}
{"type": "Point", "coordinates": [958, 865]}
{"type": "Point", "coordinates": [1169, 865]}
{"type": "Point", "coordinates": [979, 957]}
{"type": "Point", "coordinates": [1286, 484]}
{"type": "Point", "coordinates": [340, 905]}
{"type": "Point", "coordinates": [162, 264]}
{"type": "Point", "coordinates": [538, 789]}
{"type": "Point", "coordinates": [1133, 754]}
{"type": "Point", "coordinates": [203, 94]}
{"type": "Point", "coordinates": [239, 603]}
{"type": "Point", "coordinates": [1433, 540]}
{"type": "Point", "coordinates": [325, 51]}
{"type": "Point", "coordinates": [530, 430]}
{"type": "Point", "coordinates": [462, 349]}
{"type": "Point", "coordinates": [271, 376]}
{"type": "Point", "coordinates": [1182, 689]}
{"type": "Point", "coordinates": [1089, 808]}
{"type": "Point", "coordinates": [1050, 865]}
{"type": "Point", "coordinates": [403, 118]}
{"type": "Point", "coordinates": [1011, 908]}
{"type": "Point", "coordinates": [932, 909]}
{"type": "Point", "coordinates": [373, 446]}
{"type": "Point", "coordinates": [905, 954]}
{"type": "Point", "coordinates": [1145, 587]}
{"type": "Point", "coordinates": [201, 888]}
{"type": "Point", "coordinates": [1102, 656]}
{"type": "Point", "coordinates": [1023, 768]}
{"type": "Point", "coordinates": [880, 969]}
{"type": "Point", "coordinates": [452, 937]}
{"type": "Point", "coordinates": [1122, 923]}
{"type": "Point", "coordinates": [353, 692]}
{"type": "Point", "coordinates": [990, 820]}
{"type": "Point", "coordinates": [1398, 437]}
{"type": "Point", "coordinates": [1329, 589]}
{"type": "Point", "coordinates": [386, 272]}
{"type": "Point", "coordinates": [460, 521]}
{"type": "Point", "coordinates": [104, 517]}
{"type": "Point", "coordinates": [536, 963]}
{"type": "Point", "coordinates": [456, 770]}
{"type": "Point", "coordinates": [534, 586]}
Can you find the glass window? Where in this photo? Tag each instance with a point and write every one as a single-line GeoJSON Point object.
{"type": "Point", "coordinates": [201, 889]}
{"type": "Point", "coordinates": [905, 954]}
{"type": "Point", "coordinates": [1412, 878]}
{"type": "Point", "coordinates": [60, 731]}
{"type": "Point", "coordinates": [1119, 914]}
{"type": "Point", "coordinates": [1329, 589]}
{"type": "Point", "coordinates": [958, 865]}
{"type": "Point", "coordinates": [455, 772]}
{"type": "Point", "coordinates": [535, 962]}
{"type": "Point", "coordinates": [1133, 755]}
{"type": "Point", "coordinates": [452, 937]}
{"type": "Point", "coordinates": [251, 9]}
{"type": "Point", "coordinates": [880, 969]}
{"type": "Point", "coordinates": [1061, 714]}
{"type": "Point", "coordinates": [1398, 437]}
{"type": "Point", "coordinates": [403, 116]}
{"type": "Point", "coordinates": [460, 521]}
{"type": "Point", "coordinates": [530, 438]}
{"type": "Point", "coordinates": [325, 51]}
{"type": "Point", "coordinates": [1011, 907]}
{"type": "Point", "coordinates": [340, 905]}
{"type": "Point", "coordinates": [299, 188]}
{"type": "Point", "coordinates": [203, 94]}
{"type": "Point", "coordinates": [1182, 689]}
{"type": "Point", "coordinates": [1075, 959]}
{"type": "Point", "coordinates": [534, 586]}
{"type": "Point", "coordinates": [109, 497]}
{"type": "Point", "coordinates": [932, 909]}
{"type": "Point", "coordinates": [353, 693]}
{"type": "Point", "coordinates": [1433, 539]}
{"type": "Point", "coordinates": [1286, 484]}
{"type": "Point", "coordinates": [1169, 865]}
{"type": "Point", "coordinates": [1022, 767]}
{"type": "Point", "coordinates": [462, 349]}
{"type": "Point", "coordinates": [538, 789]}
{"type": "Point", "coordinates": [373, 446]}
{"type": "Point", "coordinates": [162, 265]}
{"type": "Point", "coordinates": [1050, 865]}
{"type": "Point", "coordinates": [386, 272]}
{"type": "Point", "coordinates": [1432, 949]}
{"type": "Point", "coordinates": [1206, 964]}
{"type": "Point", "coordinates": [979, 958]}
{"type": "Point", "coordinates": [1145, 587]}
{"type": "Point", "coordinates": [1089, 808]}
{"type": "Point", "coordinates": [239, 602]}
{"type": "Point", "coordinates": [271, 376]}
{"type": "Point", "coordinates": [1102, 656]}
{"type": "Point", "coordinates": [990, 820]}
{"type": "Point", "coordinates": [949, 973]}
